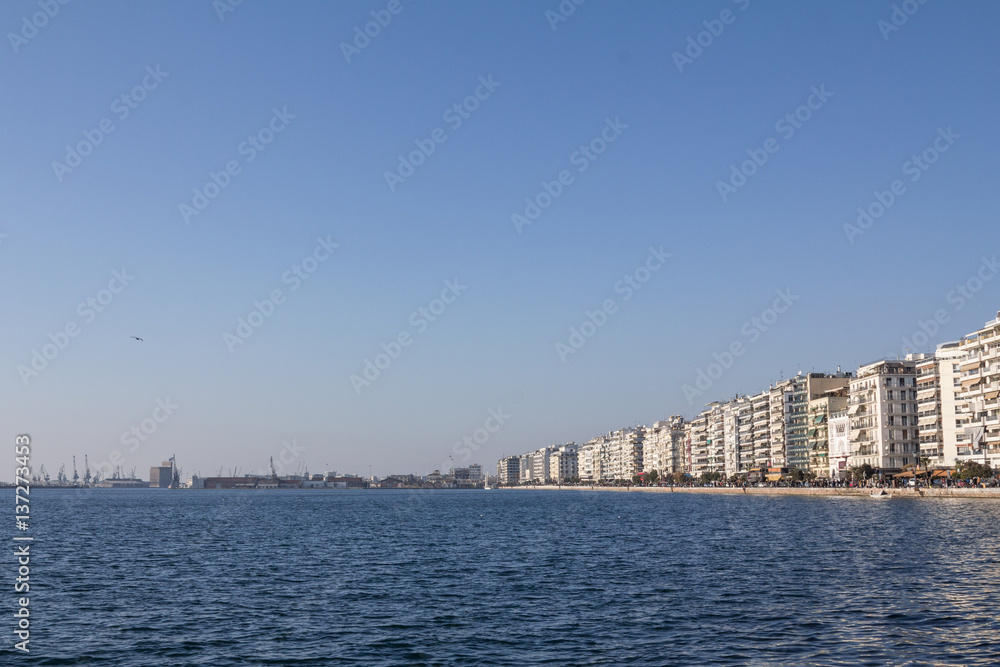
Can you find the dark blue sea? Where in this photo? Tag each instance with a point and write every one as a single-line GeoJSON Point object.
{"type": "Point", "coordinates": [150, 577]}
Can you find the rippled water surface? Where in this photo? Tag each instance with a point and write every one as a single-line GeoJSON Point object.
{"type": "Point", "coordinates": [149, 577]}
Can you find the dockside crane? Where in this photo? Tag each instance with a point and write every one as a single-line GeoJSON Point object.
{"type": "Point", "coordinates": [274, 473]}
{"type": "Point", "coordinates": [61, 477]}
{"type": "Point", "coordinates": [76, 477]}
{"type": "Point", "coordinates": [175, 480]}
{"type": "Point", "coordinates": [86, 471]}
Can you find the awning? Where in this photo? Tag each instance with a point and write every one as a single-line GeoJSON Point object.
{"type": "Point", "coordinates": [774, 477]}
{"type": "Point", "coordinates": [941, 473]}
{"type": "Point", "coordinates": [971, 381]}
{"type": "Point", "coordinates": [811, 433]}
{"type": "Point", "coordinates": [969, 365]}
{"type": "Point", "coordinates": [855, 408]}
{"type": "Point", "coordinates": [818, 419]}
{"type": "Point", "coordinates": [908, 473]}
{"type": "Point", "coordinates": [990, 395]}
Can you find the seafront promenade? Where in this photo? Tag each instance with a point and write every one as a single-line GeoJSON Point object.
{"type": "Point", "coordinates": [951, 492]}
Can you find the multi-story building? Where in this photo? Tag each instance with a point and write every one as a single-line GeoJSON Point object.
{"type": "Point", "coordinates": [509, 470]}
{"type": "Point", "coordinates": [883, 411]}
{"type": "Point", "coordinates": [589, 460]}
{"type": "Point", "coordinates": [937, 386]}
{"type": "Point", "coordinates": [839, 434]}
{"type": "Point", "coordinates": [697, 444]}
{"type": "Point", "coordinates": [778, 411]}
{"type": "Point", "coordinates": [526, 468]}
{"type": "Point", "coordinates": [621, 455]}
{"type": "Point", "coordinates": [540, 465]}
{"type": "Point", "coordinates": [818, 432]}
{"type": "Point", "coordinates": [977, 400]}
{"type": "Point", "coordinates": [663, 448]}
{"type": "Point", "coordinates": [715, 441]}
{"type": "Point", "coordinates": [656, 448]}
{"type": "Point", "coordinates": [563, 463]}
{"type": "Point", "coordinates": [761, 428]}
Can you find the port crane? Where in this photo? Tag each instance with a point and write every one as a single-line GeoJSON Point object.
{"type": "Point", "coordinates": [175, 480]}
{"type": "Point", "coordinates": [61, 476]}
{"type": "Point", "coordinates": [76, 477]}
{"type": "Point", "coordinates": [86, 468]}
{"type": "Point", "coordinates": [274, 473]}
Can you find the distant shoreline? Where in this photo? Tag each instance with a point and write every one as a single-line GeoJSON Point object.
{"type": "Point", "coordinates": [951, 492]}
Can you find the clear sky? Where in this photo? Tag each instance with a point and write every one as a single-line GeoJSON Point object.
{"type": "Point", "coordinates": [643, 126]}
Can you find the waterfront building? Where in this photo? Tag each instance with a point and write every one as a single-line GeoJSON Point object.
{"type": "Point", "coordinates": [526, 468]}
{"type": "Point", "coordinates": [938, 384]}
{"type": "Point", "coordinates": [697, 444]}
{"type": "Point", "coordinates": [677, 444]}
{"type": "Point", "coordinates": [834, 401]}
{"type": "Point", "coordinates": [509, 470]}
{"type": "Point", "coordinates": [760, 428]}
{"type": "Point", "coordinates": [978, 395]}
{"type": "Point", "coordinates": [160, 476]}
{"type": "Point", "coordinates": [540, 465]}
{"type": "Point", "coordinates": [621, 454]}
{"type": "Point", "coordinates": [657, 448]}
{"type": "Point", "coordinates": [883, 412]}
{"type": "Point", "coordinates": [716, 441]}
{"type": "Point", "coordinates": [778, 412]}
{"type": "Point", "coordinates": [839, 434]}
{"type": "Point", "coordinates": [564, 463]}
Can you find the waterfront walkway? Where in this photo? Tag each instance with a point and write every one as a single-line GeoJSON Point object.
{"type": "Point", "coordinates": [950, 492]}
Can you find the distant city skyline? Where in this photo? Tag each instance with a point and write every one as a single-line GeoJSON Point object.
{"type": "Point", "coordinates": [388, 237]}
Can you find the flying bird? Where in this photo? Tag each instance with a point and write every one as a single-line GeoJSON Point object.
{"type": "Point", "coordinates": [136, 337]}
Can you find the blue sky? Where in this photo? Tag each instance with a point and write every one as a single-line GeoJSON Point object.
{"type": "Point", "coordinates": [343, 125]}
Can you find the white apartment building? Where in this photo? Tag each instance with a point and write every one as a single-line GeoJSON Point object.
{"type": "Point", "coordinates": [697, 444]}
{"type": "Point", "coordinates": [760, 428]}
{"type": "Point", "coordinates": [540, 465]}
{"type": "Point", "coordinates": [938, 384]}
{"type": "Point", "coordinates": [621, 455]}
{"type": "Point", "coordinates": [839, 433]}
{"type": "Point", "coordinates": [657, 448]}
{"type": "Point", "coordinates": [883, 412]}
{"type": "Point", "coordinates": [526, 468]}
{"type": "Point", "coordinates": [589, 460]}
{"type": "Point", "coordinates": [977, 396]}
{"type": "Point", "coordinates": [563, 463]}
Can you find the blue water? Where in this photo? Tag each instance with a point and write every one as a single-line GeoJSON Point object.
{"type": "Point", "coordinates": [148, 577]}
